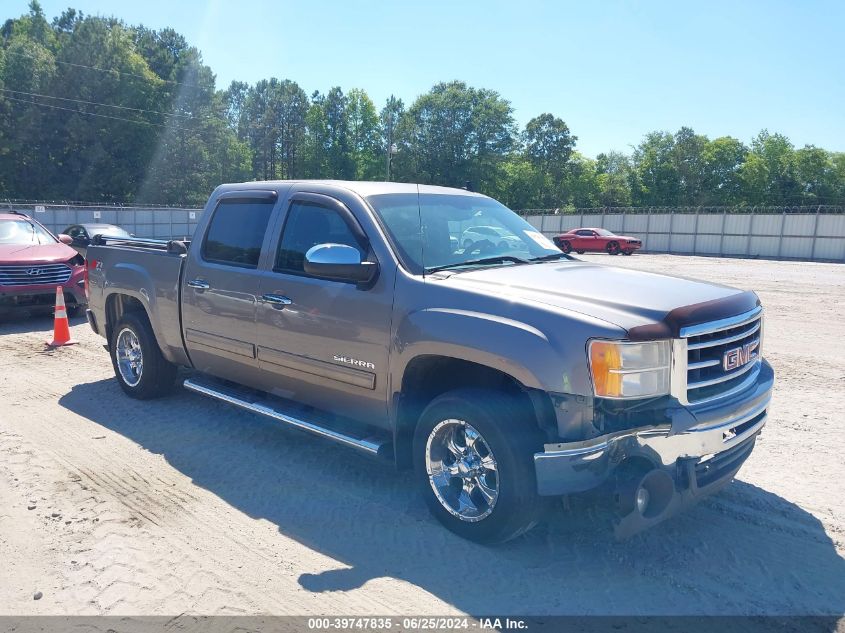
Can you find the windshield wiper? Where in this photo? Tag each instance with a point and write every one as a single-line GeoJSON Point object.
{"type": "Point", "coordinates": [550, 257]}
{"type": "Point", "coordinates": [498, 259]}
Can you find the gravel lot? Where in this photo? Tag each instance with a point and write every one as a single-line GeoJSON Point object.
{"type": "Point", "coordinates": [183, 505]}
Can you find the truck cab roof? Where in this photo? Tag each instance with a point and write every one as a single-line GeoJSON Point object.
{"type": "Point", "coordinates": [362, 188]}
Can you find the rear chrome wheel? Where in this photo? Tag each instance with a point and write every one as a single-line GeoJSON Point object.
{"type": "Point", "coordinates": [130, 357]}
{"type": "Point", "coordinates": [141, 369]}
{"type": "Point", "coordinates": [462, 470]}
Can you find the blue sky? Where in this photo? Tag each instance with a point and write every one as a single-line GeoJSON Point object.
{"type": "Point", "coordinates": [613, 70]}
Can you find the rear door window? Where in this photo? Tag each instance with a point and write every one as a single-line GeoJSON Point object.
{"type": "Point", "coordinates": [236, 232]}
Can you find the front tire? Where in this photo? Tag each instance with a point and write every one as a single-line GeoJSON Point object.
{"type": "Point", "coordinates": [613, 248]}
{"type": "Point", "coordinates": [473, 460]}
{"type": "Point", "coordinates": [141, 369]}
{"type": "Point", "coordinates": [580, 252]}
{"type": "Point", "coordinates": [628, 252]}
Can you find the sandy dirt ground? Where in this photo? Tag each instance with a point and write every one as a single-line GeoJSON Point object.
{"type": "Point", "coordinates": [184, 505]}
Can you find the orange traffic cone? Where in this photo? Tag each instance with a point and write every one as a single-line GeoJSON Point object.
{"type": "Point", "coordinates": [61, 328]}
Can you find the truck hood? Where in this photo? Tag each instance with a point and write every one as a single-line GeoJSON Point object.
{"type": "Point", "coordinates": [621, 296]}
{"type": "Point", "coordinates": [35, 253]}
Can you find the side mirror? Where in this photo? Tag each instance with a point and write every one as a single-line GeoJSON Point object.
{"type": "Point", "coordinates": [338, 262]}
{"type": "Point", "coordinates": [64, 238]}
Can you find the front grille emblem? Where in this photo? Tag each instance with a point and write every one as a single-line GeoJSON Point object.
{"type": "Point", "coordinates": [32, 272]}
{"type": "Point", "coordinates": [736, 357]}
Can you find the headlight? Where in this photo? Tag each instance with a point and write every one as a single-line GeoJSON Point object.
{"type": "Point", "coordinates": [630, 370]}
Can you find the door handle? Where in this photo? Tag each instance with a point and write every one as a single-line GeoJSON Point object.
{"type": "Point", "coordinates": [199, 284]}
{"type": "Point", "coordinates": [276, 300]}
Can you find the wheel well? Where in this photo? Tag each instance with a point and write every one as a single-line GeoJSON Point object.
{"type": "Point", "coordinates": [116, 306]}
{"type": "Point", "coordinates": [427, 377]}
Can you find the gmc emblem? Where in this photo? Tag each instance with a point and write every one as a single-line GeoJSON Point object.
{"type": "Point", "coordinates": [739, 356]}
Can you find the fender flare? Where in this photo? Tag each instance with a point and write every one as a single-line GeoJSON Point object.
{"type": "Point", "coordinates": [131, 280]}
{"type": "Point", "coordinates": [515, 348]}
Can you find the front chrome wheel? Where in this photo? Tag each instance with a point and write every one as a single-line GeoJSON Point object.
{"type": "Point", "coordinates": [462, 470]}
{"type": "Point", "coordinates": [130, 359]}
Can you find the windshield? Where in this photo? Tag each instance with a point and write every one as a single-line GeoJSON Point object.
{"type": "Point", "coordinates": [24, 232]}
{"type": "Point", "coordinates": [433, 230]}
{"type": "Point", "coordinates": [604, 232]}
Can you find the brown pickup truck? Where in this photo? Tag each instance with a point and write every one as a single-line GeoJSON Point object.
{"type": "Point", "coordinates": [503, 371]}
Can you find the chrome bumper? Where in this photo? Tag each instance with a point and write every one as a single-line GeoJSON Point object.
{"type": "Point", "coordinates": [580, 466]}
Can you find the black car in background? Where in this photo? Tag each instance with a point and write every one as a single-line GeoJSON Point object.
{"type": "Point", "coordinates": [82, 234]}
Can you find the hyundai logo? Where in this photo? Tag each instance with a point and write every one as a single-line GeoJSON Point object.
{"type": "Point", "coordinates": [33, 271]}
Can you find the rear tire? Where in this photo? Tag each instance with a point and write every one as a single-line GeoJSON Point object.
{"type": "Point", "coordinates": [580, 252]}
{"type": "Point", "coordinates": [141, 369]}
{"type": "Point", "coordinates": [483, 442]}
{"type": "Point", "coordinates": [566, 247]}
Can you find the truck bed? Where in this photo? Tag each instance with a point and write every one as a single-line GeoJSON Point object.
{"type": "Point", "coordinates": [147, 270]}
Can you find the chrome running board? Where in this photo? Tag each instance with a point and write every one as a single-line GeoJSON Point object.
{"type": "Point", "coordinates": [268, 406]}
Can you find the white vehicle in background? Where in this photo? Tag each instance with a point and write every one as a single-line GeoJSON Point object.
{"type": "Point", "coordinates": [498, 236]}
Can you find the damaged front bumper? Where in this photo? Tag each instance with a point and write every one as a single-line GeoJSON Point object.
{"type": "Point", "coordinates": [700, 452]}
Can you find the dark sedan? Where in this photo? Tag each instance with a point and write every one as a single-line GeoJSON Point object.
{"type": "Point", "coordinates": [82, 234]}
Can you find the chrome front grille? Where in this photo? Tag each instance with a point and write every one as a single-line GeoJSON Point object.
{"type": "Point", "coordinates": [721, 357]}
{"type": "Point", "coordinates": [34, 274]}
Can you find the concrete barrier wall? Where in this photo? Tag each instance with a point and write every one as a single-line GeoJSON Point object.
{"type": "Point", "coordinates": [808, 236]}
{"type": "Point", "coordinates": [162, 223]}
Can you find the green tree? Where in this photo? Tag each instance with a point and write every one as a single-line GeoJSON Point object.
{"type": "Point", "coordinates": [723, 160]}
{"type": "Point", "coordinates": [517, 186]}
{"type": "Point", "coordinates": [93, 108]}
{"type": "Point", "coordinates": [688, 160]}
{"type": "Point", "coordinates": [234, 101]}
{"type": "Point", "coordinates": [582, 182]}
{"type": "Point", "coordinates": [328, 148]}
{"type": "Point", "coordinates": [613, 176]}
{"type": "Point", "coordinates": [339, 161]}
{"type": "Point", "coordinates": [197, 149]}
{"type": "Point", "coordinates": [815, 175]}
{"type": "Point", "coordinates": [456, 134]}
{"type": "Point", "coordinates": [548, 146]}
{"type": "Point", "coordinates": [104, 150]}
{"type": "Point", "coordinates": [364, 135]}
{"type": "Point", "coordinates": [654, 177]}
{"type": "Point", "coordinates": [389, 117]}
{"type": "Point", "coordinates": [768, 172]}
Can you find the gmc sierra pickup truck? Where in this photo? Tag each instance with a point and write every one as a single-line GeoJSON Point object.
{"type": "Point", "coordinates": [503, 371]}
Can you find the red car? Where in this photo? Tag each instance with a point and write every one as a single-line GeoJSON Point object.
{"type": "Point", "coordinates": [33, 262]}
{"type": "Point", "coordinates": [596, 241]}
